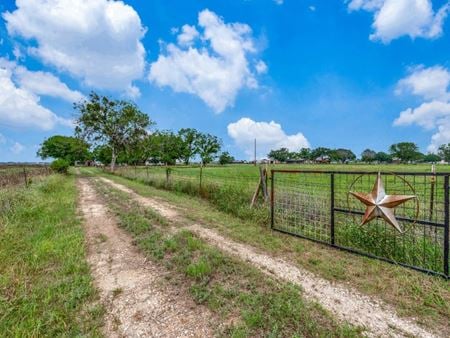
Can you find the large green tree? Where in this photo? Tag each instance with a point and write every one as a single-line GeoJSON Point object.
{"type": "Point", "coordinates": [208, 146]}
{"type": "Point", "coordinates": [164, 147]}
{"type": "Point", "coordinates": [68, 148]}
{"type": "Point", "coordinates": [444, 152]}
{"type": "Point", "coordinates": [320, 152]}
{"type": "Point", "coordinates": [304, 154]}
{"type": "Point", "coordinates": [368, 155]}
{"type": "Point", "coordinates": [405, 151]}
{"type": "Point", "coordinates": [281, 155]}
{"type": "Point", "coordinates": [383, 157]}
{"type": "Point", "coordinates": [342, 155]}
{"type": "Point", "coordinates": [431, 158]}
{"type": "Point", "coordinates": [226, 158]}
{"type": "Point", "coordinates": [117, 123]}
{"type": "Point", "coordinates": [102, 153]}
{"type": "Point", "coordinates": [188, 137]}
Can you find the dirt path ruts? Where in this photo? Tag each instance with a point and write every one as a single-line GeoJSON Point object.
{"type": "Point", "coordinates": [347, 304]}
{"type": "Point", "coordinates": [138, 301]}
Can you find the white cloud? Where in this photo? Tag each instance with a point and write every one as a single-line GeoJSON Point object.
{"type": "Point", "coordinates": [17, 148]}
{"type": "Point", "coordinates": [279, 2]}
{"type": "Point", "coordinates": [216, 70]}
{"type": "Point", "coordinates": [188, 35]}
{"type": "Point", "coordinates": [2, 139]}
{"type": "Point", "coordinates": [98, 41]}
{"type": "Point", "coordinates": [44, 83]}
{"type": "Point", "coordinates": [396, 18]}
{"type": "Point", "coordinates": [261, 67]}
{"type": "Point", "coordinates": [312, 8]}
{"type": "Point", "coordinates": [39, 82]}
{"type": "Point", "coordinates": [431, 84]}
{"type": "Point", "coordinates": [269, 135]}
{"type": "Point", "coordinates": [20, 107]}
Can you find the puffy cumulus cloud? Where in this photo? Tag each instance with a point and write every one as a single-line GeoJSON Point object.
{"type": "Point", "coordinates": [396, 18]}
{"type": "Point", "coordinates": [98, 41]}
{"type": "Point", "coordinates": [44, 83]}
{"type": "Point", "coordinates": [212, 64]}
{"type": "Point", "coordinates": [431, 84]}
{"type": "Point", "coordinates": [268, 135]}
{"type": "Point", "coordinates": [188, 35]}
{"type": "Point", "coordinates": [39, 82]}
{"type": "Point", "coordinates": [20, 107]}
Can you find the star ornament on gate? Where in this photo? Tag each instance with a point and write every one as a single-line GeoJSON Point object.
{"type": "Point", "coordinates": [380, 205]}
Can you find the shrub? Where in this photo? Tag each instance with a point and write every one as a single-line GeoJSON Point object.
{"type": "Point", "coordinates": [60, 166]}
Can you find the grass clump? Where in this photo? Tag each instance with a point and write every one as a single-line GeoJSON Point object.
{"type": "Point", "coordinates": [45, 283]}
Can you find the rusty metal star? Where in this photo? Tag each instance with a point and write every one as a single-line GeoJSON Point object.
{"type": "Point", "coordinates": [380, 205]}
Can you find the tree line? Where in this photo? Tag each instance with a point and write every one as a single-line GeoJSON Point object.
{"type": "Point", "coordinates": [405, 152]}
{"type": "Point", "coordinates": [117, 131]}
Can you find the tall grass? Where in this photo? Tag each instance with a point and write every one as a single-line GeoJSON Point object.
{"type": "Point", "coordinates": [45, 283]}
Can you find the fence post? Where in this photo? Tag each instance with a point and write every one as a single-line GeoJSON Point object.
{"type": "Point", "coordinates": [146, 170]}
{"type": "Point", "coordinates": [447, 221]}
{"type": "Point", "coordinates": [25, 177]}
{"type": "Point", "coordinates": [201, 178]}
{"type": "Point", "coordinates": [272, 202]}
{"type": "Point", "coordinates": [332, 208]}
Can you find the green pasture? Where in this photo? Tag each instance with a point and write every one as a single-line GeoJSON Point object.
{"type": "Point", "coordinates": [302, 203]}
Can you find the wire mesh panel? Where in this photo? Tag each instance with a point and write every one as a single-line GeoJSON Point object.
{"type": "Point", "coordinates": [401, 218]}
{"type": "Point", "coordinates": [301, 203]}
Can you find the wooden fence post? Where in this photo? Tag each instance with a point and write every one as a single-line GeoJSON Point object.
{"type": "Point", "coordinates": [201, 178]}
{"type": "Point", "coordinates": [25, 177]}
{"type": "Point", "coordinates": [167, 175]}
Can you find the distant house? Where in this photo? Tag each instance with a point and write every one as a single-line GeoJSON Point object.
{"type": "Point", "coordinates": [323, 159]}
{"type": "Point", "coordinates": [296, 161]}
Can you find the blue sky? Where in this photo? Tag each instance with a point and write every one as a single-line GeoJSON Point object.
{"type": "Point", "coordinates": [294, 73]}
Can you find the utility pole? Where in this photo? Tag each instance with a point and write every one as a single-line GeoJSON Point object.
{"type": "Point", "coordinates": [255, 151]}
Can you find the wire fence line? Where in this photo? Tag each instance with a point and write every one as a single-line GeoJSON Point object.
{"type": "Point", "coordinates": [317, 206]}
{"type": "Point", "coordinates": [200, 178]}
{"type": "Point", "coordinates": [11, 176]}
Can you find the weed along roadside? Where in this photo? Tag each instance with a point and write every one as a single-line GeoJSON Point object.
{"type": "Point", "coordinates": [408, 292]}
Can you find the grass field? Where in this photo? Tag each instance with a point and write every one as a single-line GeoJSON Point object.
{"type": "Point", "coordinates": [45, 283]}
{"type": "Point", "coordinates": [302, 203]}
{"type": "Point", "coordinates": [414, 294]}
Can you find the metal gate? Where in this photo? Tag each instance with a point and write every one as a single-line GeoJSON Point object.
{"type": "Point", "coordinates": [405, 215]}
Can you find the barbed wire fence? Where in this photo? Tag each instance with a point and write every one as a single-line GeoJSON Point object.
{"type": "Point", "coordinates": [22, 175]}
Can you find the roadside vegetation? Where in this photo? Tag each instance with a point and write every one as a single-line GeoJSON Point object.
{"type": "Point", "coordinates": [412, 294]}
{"type": "Point", "coordinates": [250, 303]}
{"type": "Point", "coordinates": [45, 283]}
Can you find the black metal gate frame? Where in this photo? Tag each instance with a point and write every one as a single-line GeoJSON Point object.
{"type": "Point", "coordinates": [333, 210]}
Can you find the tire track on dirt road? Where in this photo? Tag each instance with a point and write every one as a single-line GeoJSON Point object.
{"type": "Point", "coordinates": [346, 304]}
{"type": "Point", "coordinates": [139, 302]}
